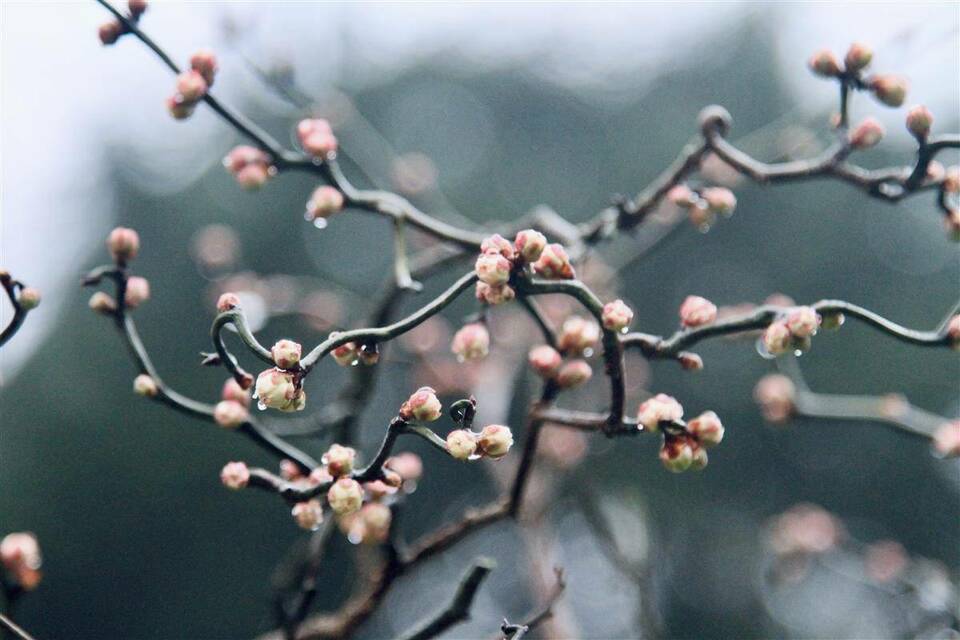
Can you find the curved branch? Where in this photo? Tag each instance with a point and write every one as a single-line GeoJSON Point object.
{"type": "Point", "coordinates": [458, 610]}
{"type": "Point", "coordinates": [10, 286]}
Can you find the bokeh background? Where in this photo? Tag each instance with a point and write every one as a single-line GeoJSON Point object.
{"type": "Point", "coordinates": [479, 113]}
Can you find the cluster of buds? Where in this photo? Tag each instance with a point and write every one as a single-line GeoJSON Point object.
{"type": "Point", "coordinates": [350, 354]}
{"type": "Point", "coordinates": [776, 395]}
{"type": "Point", "coordinates": [323, 203]}
{"type": "Point", "coordinates": [250, 166]}
{"type": "Point", "coordinates": [792, 331]}
{"type": "Point", "coordinates": [577, 340]}
{"type": "Point", "coordinates": [617, 316]}
{"type": "Point", "coordinates": [110, 32]}
{"type": "Point", "coordinates": [232, 410]}
{"type": "Point", "coordinates": [317, 138]}
{"type": "Point", "coordinates": [21, 559]}
{"type": "Point", "coordinates": [280, 389]}
{"type": "Point", "coordinates": [371, 523]}
{"type": "Point", "coordinates": [684, 446]}
{"type": "Point", "coordinates": [192, 85]}
{"type": "Point", "coordinates": [888, 89]}
{"type": "Point", "coordinates": [123, 244]}
{"type": "Point", "coordinates": [494, 441]}
{"type": "Point", "coordinates": [499, 259]}
{"type": "Point", "coordinates": [703, 205]}
{"type": "Point", "coordinates": [471, 342]}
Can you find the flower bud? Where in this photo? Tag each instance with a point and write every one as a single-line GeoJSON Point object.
{"type": "Point", "coordinates": [890, 90]}
{"type": "Point", "coordinates": [492, 269]}
{"type": "Point", "coordinates": [191, 86]}
{"type": "Point", "coordinates": [345, 495]}
{"type": "Point", "coordinates": [471, 342]}
{"type": "Point", "coordinates": [461, 444]}
{"type": "Point", "coordinates": [368, 354]}
{"type": "Point", "coordinates": [28, 298]}
{"type": "Point", "coordinates": [554, 264]}
{"type": "Point", "coordinates": [316, 137]}
{"type": "Point", "coordinates": [545, 360]}
{"type": "Point", "coordinates": [498, 245]}
{"type": "Point", "coordinates": [616, 316]}
{"type": "Point", "coordinates": [102, 303]}
{"type": "Point", "coordinates": [227, 301]}
{"type": "Point", "coordinates": [681, 196]}
{"type": "Point", "coordinates": [494, 295]}
{"type": "Point", "coordinates": [696, 311]}
{"type": "Point", "coordinates": [719, 200]}
{"type": "Point", "coordinates": [690, 361]}
{"type": "Point", "coordinates": [276, 389]}
{"type": "Point", "coordinates": [919, 121]}
{"type": "Point", "coordinates": [676, 454]}
{"type": "Point", "coordinates": [289, 470]}
{"type": "Point", "coordinates": [137, 7]}
{"type": "Point", "coordinates": [138, 291]}
{"type": "Point", "coordinates": [110, 32]}
{"type": "Point", "coordinates": [204, 62]}
{"type": "Point", "coordinates": [123, 243]}
{"type": "Point", "coordinates": [309, 514]}
{"type": "Point", "coordinates": [286, 354]}
{"type": "Point", "coordinates": [179, 108]}
{"type": "Point", "coordinates": [229, 414]}
{"type": "Point", "coordinates": [868, 133]}
{"type": "Point", "coordinates": [775, 394]}
{"type": "Point", "coordinates": [20, 556]}
{"type": "Point", "coordinates": [144, 385]}
{"type": "Point", "coordinates": [824, 63]}
{"type": "Point", "coordinates": [318, 476]}
{"type": "Point", "coordinates": [803, 322]}
{"type": "Point", "coordinates": [253, 176]}
{"type": "Point", "coordinates": [339, 460]}
{"type": "Point", "coordinates": [858, 57]}
{"type": "Point", "coordinates": [375, 519]}
{"type": "Point", "coordinates": [707, 429]}
{"type": "Point", "coordinates": [379, 488]}
{"type": "Point", "coordinates": [700, 457]}
{"type": "Point", "coordinates": [701, 216]}
{"type": "Point", "coordinates": [234, 392]}
{"type": "Point", "coordinates": [578, 335]}
{"type": "Point", "coordinates": [235, 475]}
{"type": "Point", "coordinates": [408, 465]}
{"type": "Point", "coordinates": [346, 354]}
{"type": "Point", "coordinates": [391, 478]}
{"type": "Point", "coordinates": [495, 440]}
{"type": "Point", "coordinates": [324, 202]}
{"type": "Point", "coordinates": [946, 439]}
{"type": "Point", "coordinates": [423, 406]}
{"type": "Point", "coordinates": [529, 245]}
{"type": "Point", "coordinates": [951, 181]}
{"type": "Point", "coordinates": [953, 331]}
{"type": "Point", "coordinates": [659, 408]}
{"type": "Point", "coordinates": [573, 374]}
{"type": "Point", "coordinates": [777, 339]}
{"type": "Point", "coordinates": [249, 165]}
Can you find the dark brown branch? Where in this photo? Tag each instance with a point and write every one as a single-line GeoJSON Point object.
{"type": "Point", "coordinates": [15, 630]}
{"type": "Point", "coordinates": [458, 610]}
{"type": "Point", "coordinates": [11, 286]}
{"type": "Point", "coordinates": [536, 618]}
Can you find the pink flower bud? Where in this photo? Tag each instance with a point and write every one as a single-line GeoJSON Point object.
{"type": "Point", "coordinates": [707, 429]}
{"type": "Point", "coordinates": [719, 200]}
{"type": "Point", "coordinates": [244, 155]}
{"type": "Point", "coordinates": [408, 465]}
{"type": "Point", "coordinates": [775, 394]}
{"type": "Point", "coordinates": [368, 354]}
{"type": "Point", "coordinates": [375, 519]}
{"type": "Point", "coordinates": [681, 196]}
{"type": "Point", "coordinates": [20, 556]}
{"type": "Point", "coordinates": [777, 338]}
{"type": "Point", "coordinates": [545, 360]}
{"type": "Point", "coordinates": [423, 406]}
{"type": "Point", "coordinates": [235, 475]}
{"type": "Point", "coordinates": [379, 488]}
{"type": "Point", "coordinates": [573, 374]}
{"type": "Point", "coordinates": [286, 354]}
{"type": "Point", "coordinates": [530, 245]}
{"type": "Point", "coordinates": [324, 202]}
{"type": "Point", "coordinates": [676, 454]}
{"type": "Point", "coordinates": [316, 137]}
{"type": "Point", "coordinates": [659, 408]}
{"type": "Point", "coordinates": [471, 342]}
{"type": "Point", "coordinates": [690, 361]}
{"type": "Point", "coordinates": [498, 245]}
{"type": "Point", "coordinates": [124, 244]}
{"type": "Point", "coordinates": [867, 134]}
{"type": "Point", "coordinates": [204, 62]}
{"type": "Point", "coordinates": [229, 414]}
{"type": "Point", "coordinates": [461, 444]}
{"type": "Point", "coordinates": [137, 7]}
{"type": "Point", "coordinates": [346, 354]}
{"type": "Point", "coordinates": [318, 476]}
{"type": "Point", "coordinates": [28, 298]}
{"type": "Point", "coordinates": [345, 496]}
{"type": "Point", "coordinates": [392, 478]}
{"type": "Point", "coordinates": [179, 108]}
{"type": "Point", "coordinates": [617, 316]}
{"type": "Point", "coordinates": [144, 385]}
{"type": "Point", "coordinates": [339, 460]}
{"type": "Point", "coordinates": [858, 57]}
{"type": "Point", "coordinates": [312, 125]}
{"type": "Point", "coordinates": [191, 86]}
{"type": "Point", "coordinates": [946, 439]}
{"type": "Point", "coordinates": [803, 322]}
{"type": "Point", "coordinates": [494, 295]}
{"type": "Point", "coordinates": [578, 335]}
{"type": "Point", "coordinates": [289, 470]}
{"type": "Point", "coordinates": [492, 269]}
{"type": "Point", "coordinates": [227, 301]}
{"type": "Point", "coordinates": [953, 331]}
{"type": "Point", "coordinates": [935, 171]}
{"type": "Point", "coordinates": [890, 90]}
{"type": "Point", "coordinates": [138, 291]}
{"type": "Point", "coordinates": [253, 176]}
{"type": "Point", "coordinates": [554, 264]}
{"type": "Point", "coordinates": [951, 181]}
{"type": "Point", "coordinates": [700, 457]}
{"type": "Point", "coordinates": [102, 303]}
{"type": "Point", "coordinates": [234, 392]}
{"type": "Point", "coordinates": [309, 514]}
{"type": "Point", "coordinates": [824, 63]}
{"type": "Point", "coordinates": [276, 389]}
{"type": "Point", "coordinates": [110, 32]}
{"type": "Point", "coordinates": [696, 312]}
{"type": "Point", "coordinates": [495, 440]}
{"type": "Point", "coordinates": [919, 121]}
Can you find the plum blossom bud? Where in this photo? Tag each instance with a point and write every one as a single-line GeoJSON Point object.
{"type": "Point", "coordinates": [617, 316]}
{"type": "Point", "coordinates": [339, 460]}
{"type": "Point", "coordinates": [316, 137]}
{"type": "Point", "coordinates": [554, 264]}
{"type": "Point", "coordinates": [375, 519]}
{"type": "Point", "coordinates": [179, 108]}
{"type": "Point", "coordinates": [324, 202]}
{"type": "Point", "coordinates": [423, 406]}
{"type": "Point", "coordinates": [946, 439]}
{"type": "Point", "coordinates": [408, 465]}
{"type": "Point", "coordinates": [137, 7]}
{"type": "Point", "coordinates": [379, 488]}
{"type": "Point", "coordinates": [110, 32]}
{"type": "Point", "coordinates": [318, 476]}
{"type": "Point", "coordinates": [529, 245]}
{"type": "Point", "coordinates": [345, 496]}
{"type": "Point", "coordinates": [20, 556]}
{"type": "Point", "coordinates": [204, 62]}
{"type": "Point", "coordinates": [682, 196]}
{"type": "Point", "coordinates": [28, 298]}
{"type": "Point", "coordinates": [497, 244]}
{"type": "Point", "coordinates": [578, 335]}
{"type": "Point", "coordinates": [391, 478]}
{"type": "Point", "coordinates": [696, 311]}
{"type": "Point", "coordinates": [803, 322]}
{"type": "Point", "coordinates": [659, 408]}
{"type": "Point", "coordinates": [191, 86]}
{"type": "Point", "coordinates": [676, 454]}
{"type": "Point", "coordinates": [369, 354]}
{"type": "Point", "coordinates": [123, 243]}
{"type": "Point", "coordinates": [495, 440]}
{"type": "Point", "coordinates": [146, 386]}
{"type": "Point", "coordinates": [545, 360]}
{"type": "Point", "coordinates": [494, 295]}
{"type": "Point", "coordinates": [574, 373]}
{"type": "Point", "coordinates": [471, 342]}
{"type": "Point", "coordinates": [953, 331]}
{"type": "Point", "coordinates": [868, 133]}
{"type": "Point", "coordinates": [707, 428]}
{"type": "Point", "coordinates": [700, 457]}
{"type": "Point", "coordinates": [289, 470]}
{"type": "Point", "coordinates": [249, 165]}
{"type": "Point", "coordinates": [461, 444]}
{"type": "Point", "coordinates": [492, 269]}
{"type": "Point", "coordinates": [138, 291]}
{"type": "Point", "coordinates": [227, 301]}
{"type": "Point", "coordinates": [308, 515]}
{"type": "Point", "coordinates": [102, 303]}
{"type": "Point", "coordinates": [276, 389]}
{"type": "Point", "coordinates": [777, 338]}
{"type": "Point", "coordinates": [775, 394]}
{"type": "Point", "coordinates": [690, 361]}
{"type": "Point", "coordinates": [234, 392]}
{"type": "Point", "coordinates": [229, 414]}
{"type": "Point", "coordinates": [346, 354]}
{"type": "Point", "coordinates": [951, 181]}
{"type": "Point", "coordinates": [919, 121]}
{"type": "Point", "coordinates": [235, 475]}
{"type": "Point", "coordinates": [286, 354]}
{"type": "Point", "coordinates": [719, 200]}
{"type": "Point", "coordinates": [858, 57]}
{"type": "Point", "coordinates": [890, 90]}
{"type": "Point", "coordinates": [824, 63]}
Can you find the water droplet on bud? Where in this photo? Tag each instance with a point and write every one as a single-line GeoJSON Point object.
{"type": "Point", "coordinates": [261, 406]}
{"type": "Point", "coordinates": [320, 223]}
{"type": "Point", "coordinates": [762, 350]}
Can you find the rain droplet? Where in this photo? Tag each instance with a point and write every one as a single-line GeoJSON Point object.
{"type": "Point", "coordinates": [308, 216]}
{"type": "Point", "coordinates": [474, 456]}
{"type": "Point", "coordinates": [797, 352]}
{"type": "Point", "coordinates": [762, 350]}
{"type": "Point", "coordinates": [320, 223]}
{"type": "Point", "coordinates": [409, 486]}
{"type": "Point", "coordinates": [587, 352]}
{"type": "Point", "coordinates": [261, 406]}
{"type": "Point", "coordinates": [625, 330]}
{"type": "Point", "coordinates": [703, 228]}
{"type": "Point", "coordinates": [354, 363]}
{"type": "Point", "coordinates": [354, 537]}
{"type": "Point", "coordinates": [461, 359]}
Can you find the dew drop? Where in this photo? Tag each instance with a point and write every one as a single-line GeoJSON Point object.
{"type": "Point", "coordinates": [409, 486]}
{"type": "Point", "coordinates": [625, 330]}
{"type": "Point", "coordinates": [271, 171]}
{"type": "Point", "coordinates": [261, 406]}
{"type": "Point", "coordinates": [308, 216]}
{"type": "Point", "coordinates": [320, 223]}
{"type": "Point", "coordinates": [354, 537]}
{"type": "Point", "coordinates": [762, 350]}
{"type": "Point", "coordinates": [461, 359]}
{"type": "Point", "coordinates": [797, 352]}
{"type": "Point", "coordinates": [587, 352]}
{"type": "Point", "coordinates": [354, 363]}
{"type": "Point", "coordinates": [475, 456]}
{"type": "Point", "coordinates": [226, 161]}
{"type": "Point", "coordinates": [704, 228]}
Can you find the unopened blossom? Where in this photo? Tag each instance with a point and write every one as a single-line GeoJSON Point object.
{"type": "Point", "coordinates": [379, 488]}
{"type": "Point", "coordinates": [578, 335]}
{"type": "Point", "coordinates": [951, 181]}
{"type": "Point", "coordinates": [529, 245]}
{"type": "Point", "coordinates": [102, 303]}
{"type": "Point", "coordinates": [461, 444]}
{"type": "Point", "coordinates": [316, 137]}
{"type": "Point", "coordinates": [696, 312]}
{"type": "Point", "coordinates": [339, 460]}
{"type": "Point", "coordinates": [324, 202]}
{"type": "Point", "coordinates": [423, 405]}
{"type": "Point", "coordinates": [20, 556]}
{"type": "Point", "coordinates": [775, 393]}
{"type": "Point", "coordinates": [471, 342]}
{"type": "Point", "coordinates": [110, 32]}
{"type": "Point", "coordinates": [707, 428]}
{"type": "Point", "coordinates": [308, 514]}
{"type": "Point", "coordinates": [286, 354]}
{"type": "Point", "coordinates": [235, 475]}
{"type": "Point", "coordinates": [919, 121]}
{"type": "Point", "coordinates": [858, 57]}
{"type": "Point", "coordinates": [497, 244]}
{"type": "Point", "coordinates": [229, 414]}
{"type": "Point", "coordinates": [676, 454]}
{"type": "Point", "coordinates": [554, 263]}
{"type": "Point", "coordinates": [700, 456]}
{"type": "Point", "coordinates": [191, 86]}
{"type": "Point", "coordinates": [867, 134]}
{"type": "Point", "coordinates": [28, 298]}
{"type": "Point", "coordinates": [617, 316]}
{"type": "Point", "coordinates": [824, 63]}
{"type": "Point", "coordinates": [249, 165]}
{"type": "Point", "coordinates": [375, 518]}
{"type": "Point", "coordinates": [144, 385]}
{"type": "Point", "coordinates": [890, 90]}
{"type": "Point", "coordinates": [276, 389]}
{"type": "Point", "coordinates": [492, 269]}
{"type": "Point", "coordinates": [885, 560]}
{"type": "Point", "coordinates": [137, 7]}
{"type": "Point", "coordinates": [495, 440]}
{"type": "Point", "coordinates": [574, 373]}
{"type": "Point", "coordinates": [391, 478]}
{"type": "Point", "coordinates": [234, 392]}
{"type": "Point", "coordinates": [345, 495]}
{"type": "Point", "coordinates": [802, 322]}
{"type": "Point", "coordinates": [204, 62]}
{"type": "Point", "coordinates": [659, 408]}
{"type": "Point", "coordinates": [123, 243]}
{"type": "Point", "coordinates": [719, 200]}
{"type": "Point", "coordinates": [227, 301]}
{"type": "Point", "coordinates": [368, 354]}
{"type": "Point", "coordinates": [495, 294]}
{"type": "Point", "coordinates": [317, 476]}
{"type": "Point", "coordinates": [777, 338]}
{"type": "Point", "coordinates": [346, 354]}
{"type": "Point", "coordinates": [946, 439]}
{"type": "Point", "coordinates": [408, 465]}
{"type": "Point", "coordinates": [179, 108]}
{"type": "Point", "coordinates": [682, 196]}
{"type": "Point", "coordinates": [690, 361]}
{"type": "Point", "coordinates": [138, 291]}
{"type": "Point", "coordinates": [545, 360]}
{"type": "Point", "coordinates": [701, 216]}
{"type": "Point", "coordinates": [289, 470]}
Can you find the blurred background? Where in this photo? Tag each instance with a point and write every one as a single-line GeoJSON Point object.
{"type": "Point", "coordinates": [478, 113]}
